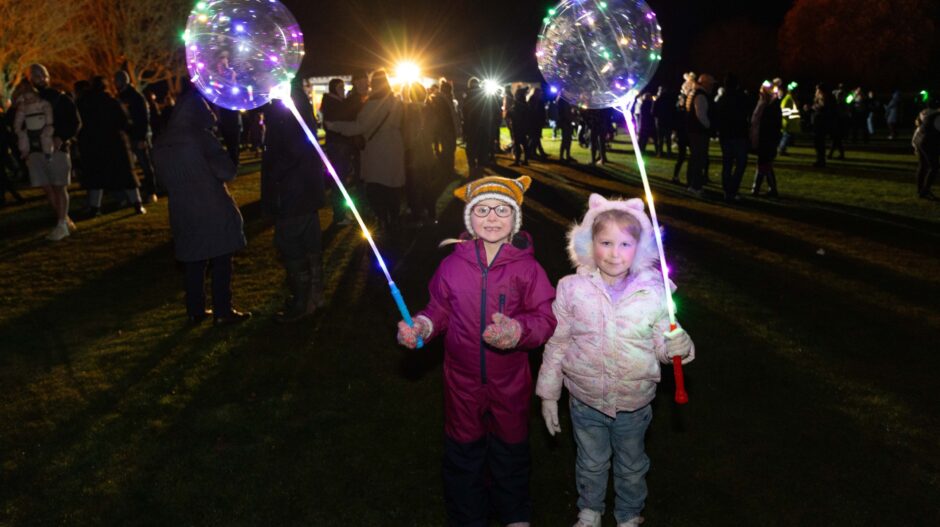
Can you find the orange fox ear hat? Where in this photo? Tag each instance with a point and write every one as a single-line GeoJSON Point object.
{"type": "Point", "coordinates": [507, 190]}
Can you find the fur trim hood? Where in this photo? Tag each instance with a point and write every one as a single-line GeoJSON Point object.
{"type": "Point", "coordinates": [580, 249]}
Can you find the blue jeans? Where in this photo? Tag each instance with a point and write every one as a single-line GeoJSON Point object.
{"type": "Point", "coordinates": [599, 437]}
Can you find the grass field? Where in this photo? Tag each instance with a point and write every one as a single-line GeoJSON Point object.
{"type": "Point", "coordinates": [815, 318]}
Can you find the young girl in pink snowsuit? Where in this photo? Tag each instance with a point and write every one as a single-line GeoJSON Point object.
{"type": "Point", "coordinates": [491, 301]}
{"type": "Point", "coordinates": [612, 335]}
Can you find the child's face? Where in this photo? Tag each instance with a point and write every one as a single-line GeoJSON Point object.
{"type": "Point", "coordinates": [614, 249]}
{"type": "Point", "coordinates": [492, 227]}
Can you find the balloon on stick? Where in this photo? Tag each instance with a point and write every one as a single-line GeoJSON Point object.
{"type": "Point", "coordinates": [241, 54]}
{"type": "Point", "coordinates": [601, 54]}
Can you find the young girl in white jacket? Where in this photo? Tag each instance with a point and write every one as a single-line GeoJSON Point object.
{"type": "Point", "coordinates": [612, 335]}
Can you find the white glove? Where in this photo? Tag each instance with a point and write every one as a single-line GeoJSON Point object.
{"type": "Point", "coordinates": [678, 344]}
{"type": "Point", "coordinates": [550, 414]}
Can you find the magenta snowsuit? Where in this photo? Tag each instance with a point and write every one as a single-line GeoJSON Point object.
{"type": "Point", "coordinates": [487, 391]}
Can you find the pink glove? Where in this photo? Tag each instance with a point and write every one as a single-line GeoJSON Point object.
{"type": "Point", "coordinates": [408, 336]}
{"type": "Point", "coordinates": [503, 333]}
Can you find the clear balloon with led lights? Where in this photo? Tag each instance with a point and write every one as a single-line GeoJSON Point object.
{"type": "Point", "coordinates": [597, 52]}
{"type": "Point", "coordinates": [239, 51]}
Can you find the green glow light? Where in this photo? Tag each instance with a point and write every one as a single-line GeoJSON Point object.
{"type": "Point", "coordinates": [849, 99]}
{"type": "Point", "coordinates": [200, 6]}
{"type": "Point", "coordinates": [551, 12]}
{"type": "Point", "coordinates": [602, 5]}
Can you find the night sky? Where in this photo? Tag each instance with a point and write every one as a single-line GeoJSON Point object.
{"type": "Point", "coordinates": [483, 37]}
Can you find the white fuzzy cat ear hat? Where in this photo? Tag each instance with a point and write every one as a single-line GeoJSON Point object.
{"type": "Point", "coordinates": [580, 246]}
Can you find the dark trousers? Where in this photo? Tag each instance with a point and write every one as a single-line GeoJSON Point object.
{"type": "Point", "coordinates": [232, 142]}
{"type": "Point", "coordinates": [341, 157]}
{"type": "Point", "coordinates": [148, 185]}
{"type": "Point", "coordinates": [6, 186]}
{"type": "Point", "coordinates": [928, 164]}
{"type": "Point", "coordinates": [520, 146]}
{"type": "Point", "coordinates": [733, 163]}
{"type": "Point", "coordinates": [663, 137]}
{"type": "Point", "coordinates": [838, 132]}
{"type": "Point", "coordinates": [698, 160]}
{"type": "Point", "coordinates": [195, 284]}
{"type": "Point", "coordinates": [566, 134]}
{"type": "Point", "coordinates": [487, 474]}
{"type": "Point", "coordinates": [598, 146]}
{"type": "Point", "coordinates": [819, 143]}
{"type": "Point", "coordinates": [682, 149]}
{"type": "Point", "coordinates": [386, 204]}
{"type": "Point", "coordinates": [297, 236]}
{"type": "Point", "coordinates": [445, 156]}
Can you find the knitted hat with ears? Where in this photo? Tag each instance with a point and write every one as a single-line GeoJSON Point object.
{"type": "Point", "coordinates": [509, 191]}
{"type": "Point", "coordinates": [580, 240]}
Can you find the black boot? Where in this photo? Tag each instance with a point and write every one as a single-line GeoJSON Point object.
{"type": "Point", "coordinates": [772, 183]}
{"type": "Point", "coordinates": [298, 282]}
{"type": "Point", "coordinates": [758, 181]}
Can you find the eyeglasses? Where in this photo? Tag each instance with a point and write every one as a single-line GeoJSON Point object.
{"type": "Point", "coordinates": [482, 211]}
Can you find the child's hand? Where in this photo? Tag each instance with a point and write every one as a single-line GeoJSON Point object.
{"type": "Point", "coordinates": [550, 414]}
{"type": "Point", "coordinates": [678, 344]}
{"type": "Point", "coordinates": [408, 335]}
{"type": "Point", "coordinates": [503, 333]}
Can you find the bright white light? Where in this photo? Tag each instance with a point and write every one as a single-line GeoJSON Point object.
{"type": "Point", "coordinates": [490, 87]}
{"type": "Point", "coordinates": [407, 72]}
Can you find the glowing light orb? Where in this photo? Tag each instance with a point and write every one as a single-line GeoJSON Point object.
{"type": "Point", "coordinates": [407, 72]}
{"type": "Point", "coordinates": [238, 51]}
{"type": "Point", "coordinates": [597, 52]}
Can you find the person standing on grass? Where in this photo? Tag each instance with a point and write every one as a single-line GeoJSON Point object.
{"type": "Point", "coordinates": [893, 114]}
{"type": "Point", "coordinates": [699, 128]}
{"type": "Point", "coordinates": [447, 127]}
{"type": "Point", "coordinates": [491, 301]}
{"type": "Point", "coordinates": [383, 159]}
{"type": "Point", "coordinates": [536, 123]}
{"type": "Point", "coordinates": [823, 118]}
{"type": "Point", "coordinates": [519, 126]}
{"type": "Point", "coordinates": [664, 116]}
{"type": "Point", "coordinates": [765, 137]}
{"type": "Point", "coordinates": [926, 144]}
{"type": "Point", "coordinates": [204, 218]}
{"type": "Point", "coordinates": [106, 156]}
{"type": "Point", "coordinates": [339, 148]}
{"type": "Point", "coordinates": [566, 122]}
{"type": "Point", "coordinates": [54, 177]}
{"type": "Point", "coordinates": [139, 133]}
{"type": "Point", "coordinates": [612, 335]}
{"type": "Point", "coordinates": [732, 114]}
{"type": "Point", "coordinates": [292, 193]}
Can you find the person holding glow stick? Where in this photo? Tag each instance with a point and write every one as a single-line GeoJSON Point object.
{"type": "Point", "coordinates": [491, 300]}
{"type": "Point", "coordinates": [613, 332]}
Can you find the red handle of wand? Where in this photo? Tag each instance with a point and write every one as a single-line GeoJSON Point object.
{"type": "Point", "coordinates": [681, 396]}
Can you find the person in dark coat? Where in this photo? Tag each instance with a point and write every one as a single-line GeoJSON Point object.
{"type": "Point", "coordinates": [824, 117]}
{"type": "Point", "coordinates": [292, 192]}
{"type": "Point", "coordinates": [765, 136]}
{"type": "Point", "coordinates": [341, 150]}
{"type": "Point", "coordinates": [536, 123]}
{"type": "Point", "coordinates": [106, 157]}
{"type": "Point", "coordinates": [206, 224]}
{"type": "Point", "coordinates": [566, 119]}
{"type": "Point", "coordinates": [477, 124]}
{"type": "Point", "coordinates": [646, 122]}
{"type": "Point", "coordinates": [139, 132]}
{"type": "Point", "coordinates": [7, 159]}
{"type": "Point", "coordinates": [664, 115]}
{"type": "Point", "coordinates": [519, 126]}
{"type": "Point", "coordinates": [733, 114]}
{"type": "Point", "coordinates": [230, 128]}
{"type": "Point", "coordinates": [596, 122]}
{"type": "Point", "coordinates": [447, 127]}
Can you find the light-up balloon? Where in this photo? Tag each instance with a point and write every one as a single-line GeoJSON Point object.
{"type": "Point", "coordinates": [598, 52]}
{"type": "Point", "coordinates": [238, 51]}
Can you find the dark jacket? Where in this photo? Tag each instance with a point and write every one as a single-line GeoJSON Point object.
{"type": "Point", "coordinates": [65, 118]}
{"type": "Point", "coordinates": [477, 118]}
{"type": "Point", "coordinates": [193, 167]}
{"type": "Point", "coordinates": [732, 114]}
{"type": "Point", "coordinates": [138, 111]}
{"type": "Point", "coordinates": [106, 158]}
{"type": "Point", "coordinates": [291, 170]}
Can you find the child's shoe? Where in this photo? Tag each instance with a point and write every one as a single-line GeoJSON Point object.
{"type": "Point", "coordinates": [634, 522]}
{"type": "Point", "coordinates": [588, 518]}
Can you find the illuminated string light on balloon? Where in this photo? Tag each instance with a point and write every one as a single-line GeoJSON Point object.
{"type": "Point", "coordinates": [601, 54]}
{"type": "Point", "coordinates": [241, 54]}
{"type": "Point", "coordinates": [238, 51]}
{"type": "Point", "coordinates": [597, 52]}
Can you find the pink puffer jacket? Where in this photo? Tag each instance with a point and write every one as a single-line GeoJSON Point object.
{"type": "Point", "coordinates": [607, 354]}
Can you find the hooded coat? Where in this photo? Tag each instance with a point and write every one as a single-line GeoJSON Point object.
{"type": "Point", "coordinates": [194, 167]}
{"type": "Point", "coordinates": [465, 293]}
{"type": "Point", "coordinates": [607, 354]}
